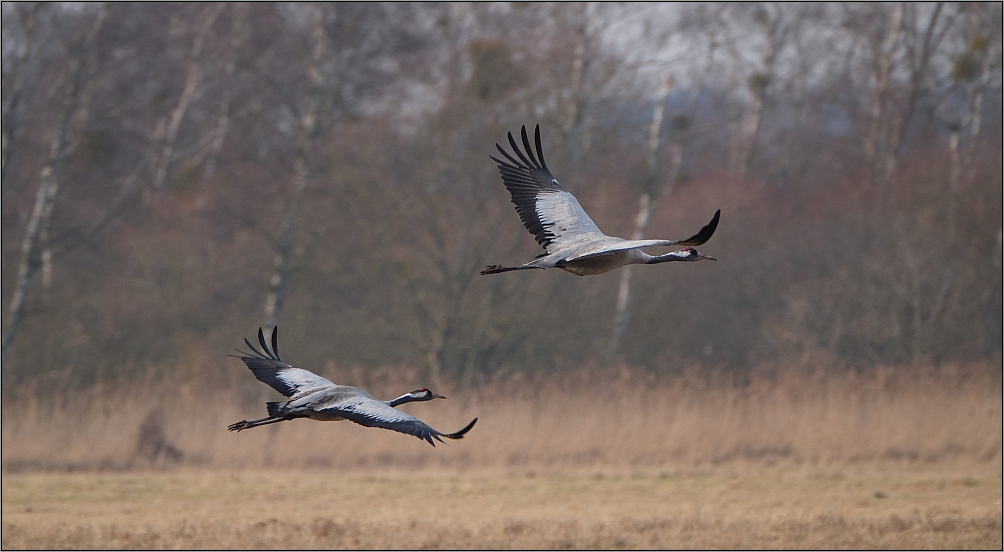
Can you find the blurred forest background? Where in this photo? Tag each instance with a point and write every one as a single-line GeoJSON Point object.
{"type": "Point", "coordinates": [175, 175]}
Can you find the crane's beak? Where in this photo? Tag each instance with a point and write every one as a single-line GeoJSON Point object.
{"type": "Point", "coordinates": [435, 396]}
{"type": "Point", "coordinates": [708, 257]}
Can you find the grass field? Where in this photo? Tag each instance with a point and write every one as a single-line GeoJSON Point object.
{"type": "Point", "coordinates": [788, 460]}
{"type": "Point", "coordinates": [721, 508]}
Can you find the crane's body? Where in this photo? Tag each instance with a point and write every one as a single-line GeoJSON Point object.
{"type": "Point", "coordinates": [571, 240]}
{"type": "Point", "coordinates": [316, 398]}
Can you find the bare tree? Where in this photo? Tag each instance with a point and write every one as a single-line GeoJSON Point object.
{"type": "Point", "coordinates": [652, 191]}
{"type": "Point", "coordinates": [193, 83]}
{"type": "Point", "coordinates": [238, 36]}
{"type": "Point", "coordinates": [17, 71]}
{"type": "Point", "coordinates": [306, 135]}
{"type": "Point", "coordinates": [898, 37]}
{"type": "Point", "coordinates": [74, 105]}
{"type": "Point", "coordinates": [972, 70]}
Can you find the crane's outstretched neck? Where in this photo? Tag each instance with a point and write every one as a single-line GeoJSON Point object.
{"type": "Point", "coordinates": [422, 394]}
{"type": "Point", "coordinates": [685, 254]}
{"type": "Point", "coordinates": [406, 398]}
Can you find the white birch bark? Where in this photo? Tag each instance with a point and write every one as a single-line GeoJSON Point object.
{"type": "Point", "coordinates": [29, 258]}
{"type": "Point", "coordinates": [574, 91]}
{"type": "Point", "coordinates": [278, 284]}
{"type": "Point", "coordinates": [193, 82]}
{"type": "Point", "coordinates": [646, 202]}
{"type": "Point", "coordinates": [238, 36]}
{"type": "Point", "coordinates": [758, 85]}
{"type": "Point", "coordinates": [875, 140]}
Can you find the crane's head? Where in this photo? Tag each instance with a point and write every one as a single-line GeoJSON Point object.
{"type": "Point", "coordinates": [423, 394]}
{"type": "Point", "coordinates": [685, 254]}
{"type": "Point", "coordinates": [693, 255]}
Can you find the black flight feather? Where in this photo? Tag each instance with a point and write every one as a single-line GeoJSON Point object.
{"type": "Point", "coordinates": [705, 233]}
{"type": "Point", "coordinates": [529, 150]}
{"type": "Point", "coordinates": [526, 179]}
{"type": "Point", "coordinates": [540, 152]}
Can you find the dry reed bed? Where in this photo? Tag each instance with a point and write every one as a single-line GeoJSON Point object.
{"type": "Point", "coordinates": [576, 420]}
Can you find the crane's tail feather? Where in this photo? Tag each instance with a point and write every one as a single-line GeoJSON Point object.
{"type": "Point", "coordinates": [274, 408]}
{"type": "Point", "coordinates": [460, 434]}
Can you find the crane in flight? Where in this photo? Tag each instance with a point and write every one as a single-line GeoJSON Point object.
{"type": "Point", "coordinates": [571, 240]}
{"type": "Point", "coordinates": [311, 396]}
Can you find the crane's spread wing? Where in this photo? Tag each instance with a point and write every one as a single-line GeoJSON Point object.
{"type": "Point", "coordinates": [282, 377]}
{"type": "Point", "coordinates": [610, 246]}
{"type": "Point", "coordinates": [550, 213]}
{"type": "Point", "coordinates": [616, 244]}
{"type": "Point", "coordinates": [374, 413]}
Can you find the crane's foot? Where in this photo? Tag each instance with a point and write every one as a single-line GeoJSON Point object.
{"type": "Point", "coordinates": [495, 269]}
{"type": "Point", "coordinates": [243, 424]}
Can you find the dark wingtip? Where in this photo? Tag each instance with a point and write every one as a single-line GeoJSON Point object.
{"type": "Point", "coordinates": [460, 434]}
{"type": "Point", "coordinates": [705, 233]}
{"type": "Point", "coordinates": [512, 142]}
{"type": "Point", "coordinates": [250, 346]}
{"type": "Point", "coordinates": [540, 150]}
{"type": "Point", "coordinates": [275, 342]}
{"type": "Point", "coordinates": [261, 340]}
{"type": "Point", "coordinates": [529, 150]}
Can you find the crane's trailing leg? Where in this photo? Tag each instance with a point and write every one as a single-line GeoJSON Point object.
{"type": "Point", "coordinates": [244, 424]}
{"type": "Point", "coordinates": [495, 269]}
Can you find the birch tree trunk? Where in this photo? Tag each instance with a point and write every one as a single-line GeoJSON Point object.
{"type": "Point", "coordinates": [646, 202]}
{"type": "Point", "coordinates": [193, 81]}
{"type": "Point", "coordinates": [15, 91]}
{"type": "Point", "coordinates": [758, 85]}
{"type": "Point", "coordinates": [961, 158]}
{"type": "Point", "coordinates": [275, 301]}
{"type": "Point", "coordinates": [29, 258]}
{"type": "Point", "coordinates": [238, 35]}
{"type": "Point", "coordinates": [575, 97]}
{"type": "Point", "coordinates": [876, 139]}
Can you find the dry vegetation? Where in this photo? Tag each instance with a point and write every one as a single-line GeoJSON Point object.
{"type": "Point", "coordinates": [784, 460]}
{"type": "Point", "coordinates": [721, 508]}
{"type": "Point", "coordinates": [581, 420]}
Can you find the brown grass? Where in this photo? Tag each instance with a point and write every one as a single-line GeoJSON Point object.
{"type": "Point", "coordinates": [582, 421]}
{"type": "Point", "coordinates": [785, 459]}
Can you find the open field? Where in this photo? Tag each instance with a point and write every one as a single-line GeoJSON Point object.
{"type": "Point", "coordinates": [721, 508]}
{"type": "Point", "coordinates": [782, 460]}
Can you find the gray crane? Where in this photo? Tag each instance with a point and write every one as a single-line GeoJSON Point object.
{"type": "Point", "coordinates": [311, 396]}
{"type": "Point", "coordinates": [570, 239]}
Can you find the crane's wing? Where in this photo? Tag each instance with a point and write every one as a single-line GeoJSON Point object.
{"type": "Point", "coordinates": [550, 213]}
{"type": "Point", "coordinates": [282, 377]}
{"type": "Point", "coordinates": [373, 413]}
{"type": "Point", "coordinates": [612, 245]}
{"type": "Point", "coordinates": [616, 244]}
